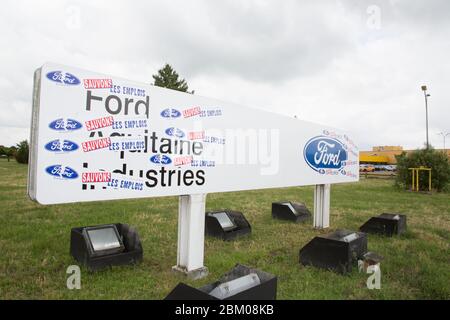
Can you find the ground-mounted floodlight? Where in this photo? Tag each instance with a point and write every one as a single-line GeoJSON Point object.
{"type": "Point", "coordinates": [369, 259]}
{"type": "Point", "coordinates": [335, 251]}
{"type": "Point", "coordinates": [106, 245]}
{"type": "Point", "coordinates": [226, 224]}
{"type": "Point", "coordinates": [241, 283]}
{"type": "Point", "coordinates": [292, 211]}
{"type": "Point", "coordinates": [388, 224]}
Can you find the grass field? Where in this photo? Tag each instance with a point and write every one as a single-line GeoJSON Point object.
{"type": "Point", "coordinates": [34, 243]}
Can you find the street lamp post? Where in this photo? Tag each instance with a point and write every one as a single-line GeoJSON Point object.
{"type": "Point", "coordinates": [424, 89]}
{"type": "Point", "coordinates": [444, 135]}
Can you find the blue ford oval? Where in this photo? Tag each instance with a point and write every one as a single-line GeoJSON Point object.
{"type": "Point", "coordinates": [325, 153]}
{"type": "Point", "coordinates": [175, 132]}
{"type": "Point", "coordinates": [65, 125]}
{"type": "Point", "coordinates": [170, 113]}
{"type": "Point", "coordinates": [61, 146]}
{"type": "Point", "coordinates": [160, 159]}
{"type": "Point", "coordinates": [63, 78]}
{"type": "Point", "coordinates": [59, 171]}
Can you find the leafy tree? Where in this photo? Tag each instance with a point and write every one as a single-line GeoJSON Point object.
{"type": "Point", "coordinates": [167, 77]}
{"type": "Point", "coordinates": [22, 152]}
{"type": "Point", "coordinates": [12, 151]}
{"type": "Point", "coordinates": [8, 152]}
{"type": "Point", "coordinates": [436, 160]}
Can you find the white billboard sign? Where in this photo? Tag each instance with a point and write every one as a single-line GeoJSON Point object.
{"type": "Point", "coordinates": [98, 137]}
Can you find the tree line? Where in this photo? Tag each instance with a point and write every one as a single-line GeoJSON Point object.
{"type": "Point", "coordinates": [19, 152]}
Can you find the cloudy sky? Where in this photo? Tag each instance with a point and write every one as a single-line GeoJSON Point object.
{"type": "Point", "coordinates": [356, 65]}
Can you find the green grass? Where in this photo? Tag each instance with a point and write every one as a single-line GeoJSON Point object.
{"type": "Point", "coordinates": [34, 243]}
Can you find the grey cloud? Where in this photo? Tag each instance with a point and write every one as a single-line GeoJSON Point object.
{"type": "Point", "coordinates": [273, 43]}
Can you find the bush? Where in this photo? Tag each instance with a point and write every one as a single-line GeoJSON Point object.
{"type": "Point", "coordinates": [436, 160]}
{"type": "Point", "coordinates": [3, 151]}
{"type": "Point", "coordinates": [22, 152]}
{"type": "Point", "coordinates": [8, 152]}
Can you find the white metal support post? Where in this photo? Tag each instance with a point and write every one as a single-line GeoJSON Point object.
{"type": "Point", "coordinates": [191, 236]}
{"type": "Point", "coordinates": [322, 206]}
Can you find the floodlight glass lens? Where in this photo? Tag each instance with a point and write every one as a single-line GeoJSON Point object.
{"type": "Point", "coordinates": [290, 207]}
{"type": "Point", "coordinates": [224, 220]}
{"type": "Point", "coordinates": [103, 239]}
{"type": "Point", "coordinates": [233, 287]}
{"type": "Point", "coordinates": [350, 237]}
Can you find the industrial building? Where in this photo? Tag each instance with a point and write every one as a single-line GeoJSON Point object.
{"type": "Point", "coordinates": [385, 155]}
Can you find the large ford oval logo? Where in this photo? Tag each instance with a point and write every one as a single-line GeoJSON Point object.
{"type": "Point", "coordinates": [324, 153]}
{"type": "Point", "coordinates": [160, 159]}
{"type": "Point", "coordinates": [65, 125]}
{"type": "Point", "coordinates": [63, 78]}
{"type": "Point", "coordinates": [175, 132]}
{"type": "Point", "coordinates": [170, 113]}
{"type": "Point", "coordinates": [61, 172]}
{"type": "Point", "coordinates": [61, 146]}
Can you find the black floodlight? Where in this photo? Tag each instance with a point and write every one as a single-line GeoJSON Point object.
{"type": "Point", "coordinates": [103, 240]}
{"type": "Point", "coordinates": [226, 224]}
{"type": "Point", "coordinates": [292, 211]}
{"type": "Point", "coordinates": [102, 246]}
{"type": "Point", "coordinates": [241, 283]}
{"type": "Point", "coordinates": [369, 259]}
{"type": "Point", "coordinates": [388, 224]}
{"type": "Point", "coordinates": [335, 251]}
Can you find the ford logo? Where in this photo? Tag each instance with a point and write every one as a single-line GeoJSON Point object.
{"type": "Point", "coordinates": [160, 159]}
{"type": "Point", "coordinates": [61, 172]}
{"type": "Point", "coordinates": [170, 113]}
{"type": "Point", "coordinates": [324, 153]}
{"type": "Point", "coordinates": [61, 146]}
{"type": "Point", "coordinates": [175, 132]}
{"type": "Point", "coordinates": [63, 78]}
{"type": "Point", "coordinates": [65, 125]}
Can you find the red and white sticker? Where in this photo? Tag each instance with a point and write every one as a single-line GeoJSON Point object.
{"type": "Point", "coordinates": [96, 144]}
{"type": "Point", "coordinates": [91, 177]}
{"type": "Point", "coordinates": [196, 135]}
{"type": "Point", "coordinates": [95, 124]}
{"type": "Point", "coordinates": [191, 112]}
{"type": "Point", "coordinates": [179, 161]}
{"type": "Point", "coordinates": [97, 83]}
